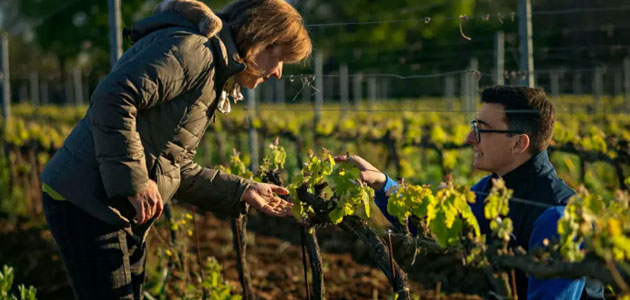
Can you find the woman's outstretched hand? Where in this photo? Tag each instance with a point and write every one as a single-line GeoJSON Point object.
{"type": "Point", "coordinates": [263, 197]}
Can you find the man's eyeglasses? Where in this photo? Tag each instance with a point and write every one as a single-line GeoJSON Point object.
{"type": "Point", "coordinates": [477, 132]}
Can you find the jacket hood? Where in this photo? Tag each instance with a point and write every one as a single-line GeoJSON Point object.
{"type": "Point", "coordinates": [178, 13]}
{"type": "Point", "coordinates": [197, 17]}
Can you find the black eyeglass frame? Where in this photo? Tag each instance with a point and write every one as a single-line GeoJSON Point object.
{"type": "Point", "coordinates": [477, 131]}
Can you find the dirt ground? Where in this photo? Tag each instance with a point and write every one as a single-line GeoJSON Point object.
{"type": "Point", "coordinates": [273, 255]}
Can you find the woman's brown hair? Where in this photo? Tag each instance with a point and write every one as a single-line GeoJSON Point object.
{"type": "Point", "coordinates": [258, 24]}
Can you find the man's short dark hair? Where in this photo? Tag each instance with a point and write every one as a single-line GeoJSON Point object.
{"type": "Point", "coordinates": [526, 109]}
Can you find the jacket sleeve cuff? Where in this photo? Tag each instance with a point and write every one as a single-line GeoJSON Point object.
{"type": "Point", "coordinates": [240, 207]}
{"type": "Point", "coordinates": [389, 183]}
{"type": "Point", "coordinates": [124, 178]}
{"type": "Point", "coordinates": [212, 190]}
{"type": "Point", "coordinates": [381, 198]}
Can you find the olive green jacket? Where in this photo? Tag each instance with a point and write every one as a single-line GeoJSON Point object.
{"type": "Point", "coordinates": [145, 121]}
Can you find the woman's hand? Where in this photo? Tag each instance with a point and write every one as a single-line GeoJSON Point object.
{"type": "Point", "coordinates": [369, 174]}
{"type": "Point", "coordinates": [263, 197]}
{"type": "Point", "coordinates": [147, 204]}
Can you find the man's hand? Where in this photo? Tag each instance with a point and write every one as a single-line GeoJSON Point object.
{"type": "Point", "coordinates": [262, 197]}
{"type": "Point", "coordinates": [147, 204]}
{"type": "Point", "coordinates": [369, 174]}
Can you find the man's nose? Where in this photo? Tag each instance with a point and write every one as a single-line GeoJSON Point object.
{"type": "Point", "coordinates": [470, 138]}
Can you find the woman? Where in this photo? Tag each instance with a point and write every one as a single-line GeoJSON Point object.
{"type": "Point", "coordinates": [134, 149]}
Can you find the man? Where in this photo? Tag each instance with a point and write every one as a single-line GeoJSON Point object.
{"type": "Point", "coordinates": [509, 137]}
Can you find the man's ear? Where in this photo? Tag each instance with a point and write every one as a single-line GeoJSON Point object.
{"type": "Point", "coordinates": [522, 144]}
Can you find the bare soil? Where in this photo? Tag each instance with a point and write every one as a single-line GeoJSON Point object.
{"type": "Point", "coordinates": [273, 254]}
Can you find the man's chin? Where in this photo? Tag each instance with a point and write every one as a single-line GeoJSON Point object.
{"type": "Point", "coordinates": [478, 165]}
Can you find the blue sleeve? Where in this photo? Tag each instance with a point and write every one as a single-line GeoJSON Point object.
{"type": "Point", "coordinates": [381, 198]}
{"type": "Point", "coordinates": [478, 207]}
{"type": "Point", "coordinates": [545, 227]}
